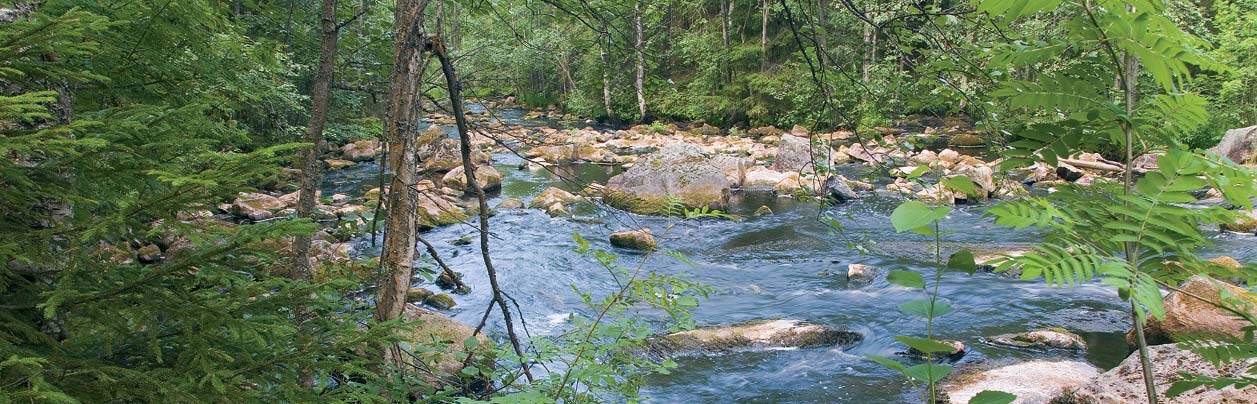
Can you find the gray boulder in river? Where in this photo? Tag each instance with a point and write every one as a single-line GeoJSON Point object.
{"type": "Point", "coordinates": [1238, 145]}
{"type": "Point", "coordinates": [679, 171]}
{"type": "Point", "coordinates": [755, 334]}
{"type": "Point", "coordinates": [1124, 383]}
{"type": "Point", "coordinates": [836, 187]}
{"type": "Point", "coordinates": [1033, 382]}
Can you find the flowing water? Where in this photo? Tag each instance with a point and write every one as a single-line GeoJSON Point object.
{"type": "Point", "coordinates": [784, 265]}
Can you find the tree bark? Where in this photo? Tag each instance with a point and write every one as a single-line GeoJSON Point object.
{"type": "Point", "coordinates": [639, 49]}
{"type": "Point", "coordinates": [398, 254]}
{"type": "Point", "coordinates": [822, 37]}
{"type": "Point", "coordinates": [311, 170]}
{"type": "Point", "coordinates": [606, 77]}
{"type": "Point", "coordinates": [763, 36]}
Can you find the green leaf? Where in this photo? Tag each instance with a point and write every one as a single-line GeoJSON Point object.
{"type": "Point", "coordinates": [922, 308]}
{"type": "Point", "coordinates": [887, 362]}
{"type": "Point", "coordinates": [960, 184]}
{"type": "Point", "coordinates": [915, 214]}
{"type": "Point", "coordinates": [925, 345]}
{"type": "Point", "coordinates": [992, 397]}
{"type": "Point", "coordinates": [962, 261]}
{"type": "Point", "coordinates": [929, 372]}
{"type": "Point", "coordinates": [906, 278]}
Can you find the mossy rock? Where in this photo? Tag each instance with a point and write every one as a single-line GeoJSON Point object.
{"type": "Point", "coordinates": [418, 295]}
{"type": "Point", "coordinates": [966, 140]}
{"type": "Point", "coordinates": [441, 301]}
{"type": "Point", "coordinates": [763, 210]}
{"type": "Point", "coordinates": [634, 240]}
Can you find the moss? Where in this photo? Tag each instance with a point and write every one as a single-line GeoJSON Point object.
{"type": "Point", "coordinates": [418, 295]}
{"type": "Point", "coordinates": [441, 301]}
{"type": "Point", "coordinates": [966, 140]}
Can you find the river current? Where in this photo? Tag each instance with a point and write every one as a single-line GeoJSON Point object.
{"type": "Point", "coordinates": [784, 265]}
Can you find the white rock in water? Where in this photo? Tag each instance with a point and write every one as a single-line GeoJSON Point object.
{"type": "Point", "coordinates": [1034, 382]}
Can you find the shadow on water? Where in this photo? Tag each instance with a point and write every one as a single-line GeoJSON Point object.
{"type": "Point", "coordinates": [782, 265]}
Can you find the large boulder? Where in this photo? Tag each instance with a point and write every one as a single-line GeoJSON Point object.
{"type": "Point", "coordinates": [1187, 316]}
{"type": "Point", "coordinates": [794, 154]}
{"type": "Point", "coordinates": [256, 206]}
{"type": "Point", "coordinates": [755, 334]}
{"type": "Point", "coordinates": [487, 177]}
{"type": "Point", "coordinates": [681, 172]}
{"type": "Point", "coordinates": [1034, 382]}
{"type": "Point", "coordinates": [361, 150]}
{"type": "Point", "coordinates": [1125, 383]}
{"type": "Point", "coordinates": [431, 328]}
{"type": "Point", "coordinates": [1238, 145]}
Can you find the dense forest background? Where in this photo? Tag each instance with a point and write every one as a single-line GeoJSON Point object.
{"type": "Point", "coordinates": [122, 120]}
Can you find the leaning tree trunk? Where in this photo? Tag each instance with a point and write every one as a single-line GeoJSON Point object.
{"type": "Point", "coordinates": [398, 255]}
{"type": "Point", "coordinates": [454, 88]}
{"type": "Point", "coordinates": [311, 172]}
{"type": "Point", "coordinates": [640, 48]}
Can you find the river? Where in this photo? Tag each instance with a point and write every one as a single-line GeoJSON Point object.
{"type": "Point", "coordinates": [784, 265]}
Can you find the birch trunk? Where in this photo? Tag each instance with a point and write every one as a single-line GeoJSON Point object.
{"type": "Point", "coordinates": [639, 48]}
{"type": "Point", "coordinates": [398, 256]}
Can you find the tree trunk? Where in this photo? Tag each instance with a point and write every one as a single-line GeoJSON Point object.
{"type": "Point", "coordinates": [311, 172]}
{"type": "Point", "coordinates": [725, 12]}
{"type": "Point", "coordinates": [398, 254]}
{"type": "Point", "coordinates": [606, 77]}
{"type": "Point", "coordinates": [867, 59]}
{"type": "Point", "coordinates": [822, 37]}
{"type": "Point", "coordinates": [640, 48]}
{"type": "Point", "coordinates": [763, 36]}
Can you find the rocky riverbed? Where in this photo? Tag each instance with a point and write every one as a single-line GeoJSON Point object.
{"type": "Point", "coordinates": [796, 304]}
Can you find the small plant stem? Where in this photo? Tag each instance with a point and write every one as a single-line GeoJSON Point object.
{"type": "Point", "coordinates": [929, 321]}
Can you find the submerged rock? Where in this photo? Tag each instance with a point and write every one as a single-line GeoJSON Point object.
{"type": "Point", "coordinates": [859, 272]}
{"type": "Point", "coordinates": [1034, 382]}
{"type": "Point", "coordinates": [755, 334]}
{"type": "Point", "coordinates": [634, 239]}
{"type": "Point", "coordinates": [551, 196]}
{"type": "Point", "coordinates": [1058, 338]}
{"type": "Point", "coordinates": [510, 203]}
{"type": "Point", "coordinates": [1186, 315]}
{"type": "Point", "coordinates": [1124, 383]}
